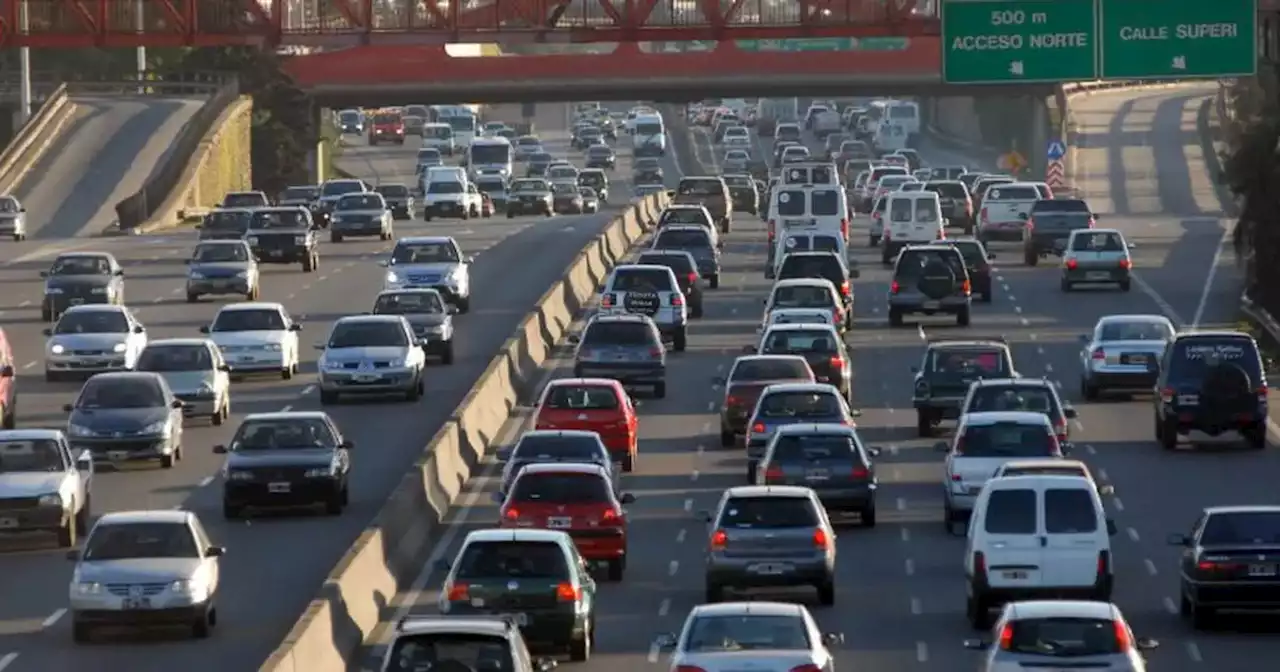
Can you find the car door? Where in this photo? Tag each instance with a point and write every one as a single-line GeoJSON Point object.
{"type": "Point", "coordinates": [1008, 535]}
{"type": "Point", "coordinates": [221, 379]}
{"type": "Point", "coordinates": [1072, 535]}
{"type": "Point", "coordinates": [212, 565]}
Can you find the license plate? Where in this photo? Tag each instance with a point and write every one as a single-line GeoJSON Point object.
{"type": "Point", "coordinates": [770, 568]}
{"type": "Point", "coordinates": [1137, 359]}
{"type": "Point", "coordinates": [76, 302]}
{"type": "Point", "coordinates": [1097, 275]}
{"type": "Point", "coordinates": [117, 455]}
{"type": "Point", "coordinates": [245, 358]}
{"type": "Point", "coordinates": [559, 523]}
{"type": "Point", "coordinates": [519, 619]}
{"type": "Point", "coordinates": [278, 487]}
{"type": "Point", "coordinates": [8, 523]}
{"type": "Point", "coordinates": [219, 284]}
{"type": "Point", "coordinates": [137, 603]}
{"type": "Point", "coordinates": [1262, 570]}
{"type": "Point", "coordinates": [817, 475]}
{"type": "Point", "coordinates": [275, 253]}
{"type": "Point", "coordinates": [366, 377]}
{"type": "Point", "coordinates": [1014, 575]}
{"type": "Point", "coordinates": [932, 305]}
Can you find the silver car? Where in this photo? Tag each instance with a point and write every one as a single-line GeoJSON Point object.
{"type": "Point", "coordinates": [1123, 354]}
{"type": "Point", "coordinates": [222, 267]}
{"type": "Point", "coordinates": [361, 214]}
{"type": "Point", "coordinates": [750, 635]}
{"type": "Point", "coordinates": [371, 354]}
{"type": "Point", "coordinates": [590, 200]}
{"type": "Point", "coordinates": [1096, 256]}
{"type": "Point", "coordinates": [770, 536]}
{"type": "Point", "coordinates": [152, 568]}
{"type": "Point", "coordinates": [13, 218]}
{"type": "Point", "coordinates": [91, 339]}
{"type": "Point", "coordinates": [1053, 634]}
{"type": "Point", "coordinates": [431, 262]}
{"type": "Point", "coordinates": [195, 371]}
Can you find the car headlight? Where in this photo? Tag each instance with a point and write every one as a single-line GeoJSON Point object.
{"type": "Point", "coordinates": [319, 472]}
{"type": "Point", "coordinates": [88, 587]}
{"type": "Point", "coordinates": [332, 366]}
{"type": "Point", "coordinates": [242, 274]}
{"type": "Point", "coordinates": [299, 240]}
{"type": "Point", "coordinates": [57, 349]}
{"type": "Point", "coordinates": [182, 587]}
{"type": "Point", "coordinates": [392, 277]}
{"type": "Point", "coordinates": [79, 430]}
{"type": "Point", "coordinates": [119, 347]}
{"type": "Point", "coordinates": [161, 427]}
{"type": "Point", "coordinates": [53, 499]}
{"type": "Point", "coordinates": [52, 290]}
{"type": "Point", "coordinates": [194, 275]}
{"type": "Point", "coordinates": [337, 219]}
{"type": "Point", "coordinates": [99, 290]}
{"type": "Point", "coordinates": [253, 240]}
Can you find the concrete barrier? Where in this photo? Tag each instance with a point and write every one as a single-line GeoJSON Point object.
{"type": "Point", "coordinates": [387, 556]}
{"type": "Point", "coordinates": [35, 138]}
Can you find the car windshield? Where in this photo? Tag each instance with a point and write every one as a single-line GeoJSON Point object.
{"type": "Point", "coordinates": [681, 263]}
{"type": "Point", "coordinates": [31, 455]}
{"type": "Point", "coordinates": [796, 341]}
{"type": "Point", "coordinates": [913, 209]}
{"type": "Point", "coordinates": [445, 651]}
{"type": "Point", "coordinates": [1029, 398]}
{"type": "Point", "coordinates": [750, 370]}
{"type": "Point", "coordinates": [541, 157]}
{"type": "Point", "coordinates": [350, 117]}
{"type": "Point", "coordinates": [436, 132]}
{"type": "Point", "coordinates": [1064, 637]}
{"type": "Point", "coordinates": [248, 319]}
{"type": "Point", "coordinates": [409, 303]}
{"type": "Point", "coordinates": [966, 362]}
{"type": "Point", "coordinates": [442, 252]}
{"type": "Point", "coordinates": [429, 155]}
{"type": "Point", "coordinates": [225, 220]}
{"type": "Point", "coordinates": [368, 334]}
{"type": "Point", "coordinates": [581, 398]}
{"type": "Point", "coordinates": [511, 560]}
{"type": "Point", "coordinates": [111, 393]}
{"type": "Point", "coordinates": [591, 179]}
{"type": "Point", "coordinates": [528, 141]}
{"type": "Point", "coordinates": [561, 488]}
{"type": "Point", "coordinates": [1103, 241]}
{"type": "Point", "coordinates": [81, 265]}
{"type": "Point", "coordinates": [444, 187]}
{"type": "Point", "coordinates": [562, 447]}
{"type": "Point", "coordinates": [213, 254]}
{"type": "Point", "coordinates": [392, 191]}
{"type": "Point", "coordinates": [642, 280]}
{"type": "Point", "coordinates": [802, 296]}
{"type": "Point", "coordinates": [1012, 193]}
{"type": "Point", "coordinates": [299, 194]}
{"type": "Point", "coordinates": [340, 187]}
{"type": "Point", "coordinates": [599, 151]}
{"type": "Point", "coordinates": [92, 322]}
{"type": "Point", "coordinates": [747, 633]}
{"type": "Point", "coordinates": [283, 434]}
{"type": "Point", "coordinates": [1135, 330]}
{"type": "Point", "coordinates": [386, 118]}
{"type": "Point", "coordinates": [284, 218]}
{"type": "Point", "coordinates": [826, 266]}
{"type": "Point", "coordinates": [529, 186]}
{"type": "Point", "coordinates": [1007, 439]}
{"type": "Point", "coordinates": [748, 513]}
{"type": "Point", "coordinates": [168, 358]}
{"type": "Point", "coordinates": [123, 541]}
{"type": "Point", "coordinates": [603, 334]}
{"type": "Point", "coordinates": [800, 405]}
{"type": "Point", "coordinates": [562, 172]}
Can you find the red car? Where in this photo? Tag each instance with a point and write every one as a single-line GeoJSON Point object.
{"type": "Point", "coordinates": [597, 405]}
{"type": "Point", "coordinates": [577, 499]}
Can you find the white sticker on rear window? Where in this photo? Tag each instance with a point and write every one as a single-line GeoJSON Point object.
{"type": "Point", "coordinates": [784, 198]}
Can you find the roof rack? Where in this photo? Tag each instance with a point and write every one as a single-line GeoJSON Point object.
{"type": "Point", "coordinates": [966, 339]}
{"type": "Point", "coordinates": [507, 619]}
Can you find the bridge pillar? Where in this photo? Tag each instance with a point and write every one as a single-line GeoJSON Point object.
{"type": "Point", "coordinates": [316, 155]}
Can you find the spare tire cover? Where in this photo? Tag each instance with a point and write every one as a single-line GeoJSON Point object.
{"type": "Point", "coordinates": [1226, 389]}
{"type": "Point", "coordinates": [937, 279]}
{"type": "Point", "coordinates": [642, 302]}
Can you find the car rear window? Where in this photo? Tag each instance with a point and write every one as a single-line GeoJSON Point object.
{"type": "Point", "coordinates": [560, 487]}
{"type": "Point", "coordinates": [1011, 512]}
{"type": "Point", "coordinates": [802, 296]}
{"type": "Point", "coordinates": [739, 180]}
{"type": "Point", "coordinates": [1135, 330]}
{"type": "Point", "coordinates": [792, 202]}
{"type": "Point", "coordinates": [764, 513]}
{"type": "Point", "coordinates": [1243, 528]}
{"type": "Point", "coordinates": [796, 341]}
{"type": "Point", "coordinates": [1001, 193]}
{"type": "Point", "coordinates": [966, 362]}
{"type": "Point", "coordinates": [1030, 398]}
{"type": "Point", "coordinates": [800, 405]}
{"type": "Point", "coordinates": [913, 262]}
{"type": "Point", "coordinates": [1106, 241]}
{"type": "Point", "coordinates": [1060, 205]}
{"type": "Point", "coordinates": [881, 171]}
{"type": "Point", "coordinates": [1065, 638]}
{"type": "Point", "coordinates": [825, 202]}
{"type": "Point", "coordinates": [573, 446]}
{"type": "Point", "coordinates": [809, 447]}
{"type": "Point", "coordinates": [618, 333]}
{"type": "Point", "coordinates": [683, 216]}
{"type": "Point", "coordinates": [679, 263]}
{"type": "Point", "coordinates": [1069, 511]}
{"type": "Point", "coordinates": [642, 280]}
{"type": "Point", "coordinates": [769, 369]}
{"type": "Point", "coordinates": [812, 266]}
{"type": "Point", "coordinates": [1007, 439]}
{"type": "Point", "coordinates": [700, 188]}
{"type": "Point", "coordinates": [512, 560]}
{"type": "Point", "coordinates": [1193, 358]}
{"type": "Point", "coordinates": [682, 239]}
{"type": "Point", "coordinates": [947, 189]}
{"type": "Point", "coordinates": [582, 398]}
{"type": "Point", "coordinates": [913, 209]}
{"type": "Point", "coordinates": [427, 650]}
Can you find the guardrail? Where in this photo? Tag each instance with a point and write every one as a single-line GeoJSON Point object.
{"type": "Point", "coordinates": [142, 205]}
{"type": "Point", "coordinates": [34, 138]}
{"type": "Point", "coordinates": [149, 83]}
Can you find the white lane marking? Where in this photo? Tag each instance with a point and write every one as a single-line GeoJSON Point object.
{"type": "Point", "coordinates": [1169, 606]}
{"type": "Point", "coordinates": [901, 504]}
{"type": "Point", "coordinates": [1115, 501]}
{"type": "Point", "coordinates": [1151, 566]}
{"type": "Point", "coordinates": [681, 535]}
{"type": "Point", "coordinates": [1193, 651]}
{"type": "Point", "coordinates": [28, 365]}
{"type": "Point", "coordinates": [1133, 535]}
{"type": "Point", "coordinates": [205, 481]}
{"type": "Point", "coordinates": [665, 607]}
{"type": "Point", "coordinates": [906, 535]}
{"type": "Point", "coordinates": [653, 654]}
{"type": "Point", "coordinates": [307, 390]}
{"type": "Point", "coordinates": [1102, 475]}
{"type": "Point", "coordinates": [1208, 279]}
{"type": "Point", "coordinates": [922, 652]}
{"type": "Point", "coordinates": [7, 659]}
{"type": "Point", "coordinates": [694, 475]}
{"type": "Point", "coordinates": [673, 567]}
{"type": "Point", "coordinates": [688, 505]}
{"type": "Point", "coordinates": [53, 618]}
{"type": "Point", "coordinates": [909, 566]}
{"type": "Point", "coordinates": [915, 606]}
{"type": "Point", "coordinates": [287, 408]}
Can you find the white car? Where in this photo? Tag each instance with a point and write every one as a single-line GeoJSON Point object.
{"type": "Point", "coordinates": [256, 337]}
{"type": "Point", "coordinates": [770, 635]}
{"type": "Point", "coordinates": [1048, 634]}
{"type": "Point", "coordinates": [13, 219]}
{"type": "Point", "coordinates": [91, 339]}
{"type": "Point", "coordinates": [451, 197]}
{"type": "Point", "coordinates": [41, 477]}
{"type": "Point", "coordinates": [195, 372]}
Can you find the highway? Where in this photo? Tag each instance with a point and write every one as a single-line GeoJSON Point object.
{"type": "Point", "coordinates": [274, 565]}
{"type": "Point", "coordinates": [900, 590]}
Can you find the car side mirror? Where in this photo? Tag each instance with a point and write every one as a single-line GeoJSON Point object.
{"type": "Point", "coordinates": [1023, 215]}
{"type": "Point", "coordinates": [22, 209]}
{"type": "Point", "coordinates": [705, 516]}
{"type": "Point", "coordinates": [138, 329]}
{"type": "Point", "coordinates": [295, 327]}
{"type": "Point", "coordinates": [318, 346]}
{"type": "Point", "coordinates": [665, 641]}
{"type": "Point", "coordinates": [546, 664]}
{"type": "Point", "coordinates": [84, 461]}
{"type": "Point", "coordinates": [120, 273]}
{"type": "Point", "coordinates": [719, 380]}
{"type": "Point", "coordinates": [941, 447]}
{"type": "Point", "coordinates": [832, 638]}
{"type": "Point", "coordinates": [6, 371]}
{"type": "Point", "coordinates": [1070, 412]}
{"type": "Point", "coordinates": [187, 261]}
{"type": "Point", "coordinates": [443, 565]}
{"type": "Point", "coordinates": [177, 404]}
{"type": "Point", "coordinates": [1112, 529]}
{"type": "Point", "coordinates": [627, 498]}
{"type": "Point", "coordinates": [991, 256]}
{"type": "Point", "coordinates": [469, 260]}
{"type": "Point", "coordinates": [915, 369]}
{"type": "Point", "coordinates": [1146, 644]}
{"type": "Point", "coordinates": [47, 332]}
{"type": "Point", "coordinates": [1178, 540]}
{"type": "Point", "coordinates": [575, 339]}
{"type": "Point", "coordinates": [1106, 490]}
{"type": "Point", "coordinates": [204, 329]}
{"type": "Point", "coordinates": [452, 310]}
{"type": "Point", "coordinates": [854, 274]}
{"type": "Point", "coordinates": [874, 451]}
{"type": "Point", "coordinates": [215, 551]}
{"type": "Point", "coordinates": [220, 449]}
{"type": "Point", "coordinates": [67, 408]}
{"type": "Point", "coordinates": [1084, 338]}
{"type": "Point", "coordinates": [1096, 215]}
{"type": "Point", "coordinates": [976, 644]}
{"type": "Point", "coordinates": [503, 454]}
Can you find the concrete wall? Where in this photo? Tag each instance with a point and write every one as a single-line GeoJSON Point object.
{"type": "Point", "coordinates": [991, 125]}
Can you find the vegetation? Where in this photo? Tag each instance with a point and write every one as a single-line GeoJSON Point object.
{"type": "Point", "coordinates": [1251, 169]}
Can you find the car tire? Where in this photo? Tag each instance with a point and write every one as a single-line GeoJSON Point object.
{"type": "Point", "coordinates": [827, 592]}
{"type": "Point", "coordinates": [1256, 436]}
{"type": "Point", "coordinates": [327, 398]}
{"type": "Point", "coordinates": [616, 568]}
{"type": "Point", "coordinates": [713, 593]}
{"type": "Point", "coordinates": [19, 237]}
{"type": "Point", "coordinates": [895, 317]}
{"type": "Point", "coordinates": [1065, 285]}
{"type": "Point", "coordinates": [963, 316]}
{"type": "Point", "coordinates": [167, 461]}
{"type": "Point", "coordinates": [975, 610]}
{"type": "Point", "coordinates": [1202, 618]}
{"type": "Point", "coordinates": [9, 418]}
{"type": "Point", "coordinates": [446, 355]}
{"type": "Point", "coordinates": [1031, 258]}
{"type": "Point", "coordinates": [511, 215]}
{"type": "Point", "coordinates": [751, 472]}
{"type": "Point", "coordinates": [335, 237]}
{"type": "Point", "coordinates": [628, 462]}
{"type": "Point", "coordinates": [873, 241]}
{"type": "Point", "coordinates": [660, 390]}
{"type": "Point", "coordinates": [219, 416]}
{"type": "Point", "coordinates": [203, 626]}
{"type": "Point", "coordinates": [81, 633]}
{"type": "Point", "coordinates": [1126, 285]}
{"type": "Point", "coordinates": [714, 281]}
{"type": "Point", "coordinates": [253, 294]}
{"type": "Point", "coordinates": [924, 424]}
{"type": "Point", "coordinates": [385, 235]}
{"type": "Point", "coordinates": [1089, 391]}
{"type": "Point", "coordinates": [580, 649]}
{"type": "Point", "coordinates": [46, 314]}
{"type": "Point", "coordinates": [985, 297]}
{"type": "Point", "coordinates": [1167, 436]}
{"type": "Point", "coordinates": [426, 217]}
{"type": "Point", "coordinates": [680, 340]}
{"type": "Point", "coordinates": [464, 305]}
{"type": "Point", "coordinates": [727, 438]}
{"type": "Point", "coordinates": [414, 392]}
{"type": "Point", "coordinates": [869, 516]}
{"type": "Point", "coordinates": [335, 505]}
{"type": "Point", "coordinates": [68, 534]}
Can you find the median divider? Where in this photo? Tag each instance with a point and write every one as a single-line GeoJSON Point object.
{"type": "Point", "coordinates": [388, 555]}
{"type": "Point", "coordinates": [35, 138]}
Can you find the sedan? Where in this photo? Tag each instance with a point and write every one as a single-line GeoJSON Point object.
{"type": "Point", "coordinates": [567, 200]}
{"type": "Point", "coordinates": [90, 339]}
{"type": "Point", "coordinates": [13, 219]}
{"type": "Point", "coordinates": [371, 354]}
{"type": "Point", "coordinates": [1123, 354]}
{"type": "Point", "coordinates": [772, 635]}
{"type": "Point", "coordinates": [1062, 634]}
{"type": "Point", "coordinates": [126, 417]}
{"type": "Point", "coordinates": [590, 201]}
{"type": "Point", "coordinates": [222, 267]}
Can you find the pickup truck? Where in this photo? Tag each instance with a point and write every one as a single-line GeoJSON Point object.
{"type": "Point", "coordinates": [44, 487]}
{"type": "Point", "coordinates": [1005, 209]}
{"type": "Point", "coordinates": [710, 192]}
{"type": "Point", "coordinates": [1049, 227]}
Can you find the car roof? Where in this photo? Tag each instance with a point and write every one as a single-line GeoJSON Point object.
{"type": "Point", "coordinates": [683, 227]}
{"type": "Point", "coordinates": [348, 319]}
{"type": "Point", "coordinates": [410, 290]}
{"type": "Point", "coordinates": [1090, 232]}
{"type": "Point", "coordinates": [621, 317]}
{"type": "Point", "coordinates": [985, 418]}
{"type": "Point", "coordinates": [579, 382]}
{"type": "Point", "coordinates": [286, 415]}
{"type": "Point", "coordinates": [761, 608]}
{"type": "Point", "coordinates": [126, 375]}
{"type": "Point", "coordinates": [422, 240]}
{"type": "Point", "coordinates": [564, 433]}
{"type": "Point", "coordinates": [1243, 508]}
{"type": "Point", "coordinates": [564, 468]}
{"type": "Point", "coordinates": [802, 326]}
{"type": "Point", "coordinates": [1134, 317]}
{"type": "Point", "coordinates": [791, 358]}
{"type": "Point", "coordinates": [641, 267]}
{"type": "Point", "coordinates": [1223, 333]}
{"type": "Point", "coordinates": [1020, 382]}
{"type": "Point", "coordinates": [144, 516]}
{"type": "Point", "coordinates": [816, 428]}
{"type": "Point", "coordinates": [1045, 463]}
{"type": "Point", "coordinates": [417, 624]}
{"type": "Point", "coordinates": [517, 535]}
{"type": "Point", "coordinates": [969, 343]}
{"type": "Point", "coordinates": [781, 491]}
{"type": "Point", "coordinates": [1042, 482]}
{"type": "Point", "coordinates": [181, 341]}
{"type": "Point", "coordinates": [1037, 609]}
{"type": "Point", "coordinates": [778, 388]}
{"type": "Point", "coordinates": [95, 308]}
{"type": "Point", "coordinates": [252, 305]}
{"type": "Point", "coordinates": [803, 282]}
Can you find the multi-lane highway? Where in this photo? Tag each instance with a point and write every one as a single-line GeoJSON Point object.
{"type": "Point", "coordinates": [273, 565]}
{"type": "Point", "coordinates": [900, 592]}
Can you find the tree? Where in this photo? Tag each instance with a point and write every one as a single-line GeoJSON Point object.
{"type": "Point", "coordinates": [1252, 172]}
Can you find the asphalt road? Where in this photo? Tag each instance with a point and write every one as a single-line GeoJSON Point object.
{"type": "Point", "coordinates": [106, 153]}
{"type": "Point", "coordinates": [274, 565]}
{"type": "Point", "coordinates": [900, 591]}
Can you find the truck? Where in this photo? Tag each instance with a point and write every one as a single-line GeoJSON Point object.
{"type": "Point", "coordinates": [773, 111]}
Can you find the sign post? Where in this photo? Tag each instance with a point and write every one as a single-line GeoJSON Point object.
{"type": "Point", "coordinates": [1178, 38]}
{"type": "Point", "coordinates": [1018, 41]}
{"type": "Point", "coordinates": [1055, 174]}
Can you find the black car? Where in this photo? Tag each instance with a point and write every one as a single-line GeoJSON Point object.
{"type": "Point", "coordinates": [301, 195]}
{"type": "Point", "coordinates": [77, 278]}
{"type": "Point", "coordinates": [942, 380]}
{"type": "Point", "coordinates": [538, 164]}
{"type": "Point", "coordinates": [743, 191]}
{"type": "Point", "coordinates": [1212, 382]}
{"type": "Point", "coordinates": [225, 224]}
{"type": "Point", "coordinates": [601, 156]}
{"type": "Point", "coordinates": [284, 236]}
{"type": "Point", "coordinates": [554, 445]}
{"type": "Point", "coordinates": [126, 416]}
{"type": "Point", "coordinates": [399, 200]}
{"type": "Point", "coordinates": [827, 266]}
{"type": "Point", "coordinates": [285, 460]}
{"type": "Point", "coordinates": [978, 262]}
{"type": "Point", "coordinates": [1050, 224]}
{"type": "Point", "coordinates": [596, 179]}
{"type": "Point", "coordinates": [1229, 562]}
{"type": "Point", "coordinates": [429, 315]}
{"type": "Point", "coordinates": [652, 176]}
{"type": "Point", "coordinates": [828, 357]}
{"type": "Point", "coordinates": [695, 240]}
{"type": "Point", "coordinates": [686, 270]}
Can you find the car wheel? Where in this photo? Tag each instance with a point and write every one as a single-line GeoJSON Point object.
{"type": "Point", "coordinates": [167, 461]}
{"type": "Point", "coordinates": [327, 397]}
{"type": "Point", "coordinates": [192, 298]}
{"type": "Point", "coordinates": [446, 355]}
{"type": "Point", "coordinates": [335, 237]}
{"type": "Point", "coordinates": [617, 567]}
{"type": "Point", "coordinates": [660, 390]}
{"type": "Point", "coordinates": [827, 592]}
{"type": "Point", "coordinates": [869, 516]}
{"type": "Point", "coordinates": [975, 609]}
{"type": "Point", "coordinates": [924, 424]}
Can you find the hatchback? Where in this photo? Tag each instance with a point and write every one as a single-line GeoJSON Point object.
{"type": "Point", "coordinates": [626, 348]}
{"type": "Point", "coordinates": [1096, 256]}
{"type": "Point", "coordinates": [829, 459]}
{"type": "Point", "coordinates": [597, 405]}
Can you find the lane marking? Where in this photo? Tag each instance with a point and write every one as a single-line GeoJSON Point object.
{"type": "Point", "coordinates": [1170, 607]}
{"type": "Point", "coordinates": [1193, 650]}
{"type": "Point", "coordinates": [673, 567]}
{"type": "Point", "coordinates": [53, 618]}
{"type": "Point", "coordinates": [910, 566]}
{"type": "Point", "coordinates": [1133, 535]}
{"type": "Point", "coordinates": [287, 408]}
{"type": "Point", "coordinates": [665, 607]}
{"type": "Point", "coordinates": [1151, 566]}
{"type": "Point", "coordinates": [915, 606]}
{"type": "Point", "coordinates": [307, 390]}
{"type": "Point", "coordinates": [205, 481]}
{"type": "Point", "coordinates": [7, 659]}
{"type": "Point", "coordinates": [922, 652]}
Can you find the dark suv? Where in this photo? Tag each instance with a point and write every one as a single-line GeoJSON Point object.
{"type": "Point", "coordinates": [930, 279]}
{"type": "Point", "coordinates": [1212, 382]}
{"type": "Point", "coordinates": [1049, 226]}
{"type": "Point", "coordinates": [950, 366]}
{"type": "Point", "coordinates": [826, 266]}
{"type": "Point", "coordinates": [284, 236]}
{"type": "Point", "coordinates": [977, 260]}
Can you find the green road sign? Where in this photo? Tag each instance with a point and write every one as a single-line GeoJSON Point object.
{"type": "Point", "coordinates": [1154, 39]}
{"type": "Point", "coordinates": [1018, 41]}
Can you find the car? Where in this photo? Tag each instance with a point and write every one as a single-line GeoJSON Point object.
{"type": "Point", "coordinates": [949, 367]}
{"type": "Point", "coordinates": [301, 195]}
{"type": "Point", "coordinates": [543, 446]}
{"type": "Point", "coordinates": [597, 181]}
{"type": "Point", "coordinates": [538, 164]}
{"type": "Point", "coordinates": [1212, 382]}
{"type": "Point", "coordinates": [1086, 632]}
{"type": "Point", "coordinates": [126, 416]}
{"type": "Point", "coordinates": [829, 266]}
{"type": "Point", "coordinates": [164, 559]}
{"type": "Point", "coordinates": [526, 146]}
{"type": "Point", "coordinates": [8, 384]}
{"type": "Point", "coordinates": [1037, 537]}
{"type": "Point", "coordinates": [977, 261]}
{"type": "Point", "coordinates": [782, 404]}
{"type": "Point", "coordinates": [78, 278]}
{"type": "Point", "coordinates": [245, 199]}
{"type": "Point", "coordinates": [450, 196]}
{"type": "Point", "coordinates": [1095, 256]}
{"type": "Point", "coordinates": [195, 372]}
{"type": "Point", "coordinates": [626, 348]}
{"type": "Point", "coordinates": [222, 268]}
{"type": "Point", "coordinates": [256, 337]}
{"type": "Point", "coordinates": [488, 577]}
{"type": "Point", "coordinates": [1050, 223]}
{"type": "Point", "coordinates": [830, 459]}
{"type": "Point", "coordinates": [811, 293]}
{"type": "Point", "coordinates": [530, 196]}
{"type": "Point", "coordinates": [371, 355]}
{"type": "Point", "coordinates": [284, 236]}
{"type": "Point", "coordinates": [494, 639]}
{"type": "Point", "coordinates": [819, 344]}
{"type": "Point", "coordinates": [288, 459]}
{"type": "Point", "coordinates": [930, 280]}
{"type": "Point", "coordinates": [1228, 563]}
{"type": "Point", "coordinates": [13, 218]}
{"type": "Point", "coordinates": [91, 339]}
{"type": "Point", "coordinates": [399, 200]}
{"type": "Point", "coordinates": [599, 405]}
{"type": "Point", "coordinates": [770, 536]}
{"type": "Point", "coordinates": [220, 224]}
{"type": "Point", "coordinates": [363, 214]}
{"type": "Point", "coordinates": [562, 172]}
{"type": "Point", "coordinates": [44, 486]}
{"type": "Point", "coordinates": [652, 291]}
{"type": "Point", "coordinates": [698, 242]}
{"type": "Point", "coordinates": [1123, 353]}
{"type": "Point", "coordinates": [1005, 210]}
{"type": "Point", "coordinates": [601, 157]}
{"type": "Point", "coordinates": [565, 198]}
{"type": "Point", "coordinates": [1051, 467]}
{"type": "Point", "coordinates": [682, 263]}
{"type": "Point", "coordinates": [575, 498]}
{"type": "Point", "coordinates": [590, 201]}
{"type": "Point", "coordinates": [711, 192]}
{"type": "Point", "coordinates": [429, 316]}
{"type": "Point", "coordinates": [686, 215]}
{"type": "Point", "coordinates": [431, 262]}
{"type": "Point", "coordinates": [494, 190]}
{"type": "Point", "coordinates": [957, 205]}
{"type": "Point", "coordinates": [1038, 395]}
{"type": "Point", "coordinates": [797, 316]}
{"type": "Point", "coordinates": [983, 441]}
{"type": "Point", "coordinates": [713, 634]}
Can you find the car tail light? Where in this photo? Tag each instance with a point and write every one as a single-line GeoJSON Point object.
{"type": "Point", "coordinates": [567, 592]}
{"type": "Point", "coordinates": [1123, 641]}
{"type": "Point", "coordinates": [677, 299]}
{"type": "Point", "coordinates": [894, 287]}
{"type": "Point", "coordinates": [1262, 393]}
{"type": "Point", "coordinates": [772, 225]}
{"type": "Point", "coordinates": [757, 428]}
{"type": "Point", "coordinates": [459, 592]}
{"type": "Point", "coordinates": [773, 473]}
{"type": "Point", "coordinates": [719, 540]}
{"type": "Point", "coordinates": [844, 228]}
{"type": "Point", "coordinates": [1060, 429]}
{"type": "Point", "coordinates": [1126, 264]}
{"type": "Point", "coordinates": [1006, 637]}
{"type": "Point", "coordinates": [1098, 355]}
{"type": "Point", "coordinates": [844, 288]}
{"type": "Point", "coordinates": [820, 539]}
{"type": "Point", "coordinates": [1212, 567]}
{"type": "Point", "coordinates": [983, 215]}
{"type": "Point", "coordinates": [656, 352]}
{"type": "Point", "coordinates": [1072, 264]}
{"type": "Point", "coordinates": [689, 668]}
{"type": "Point", "coordinates": [875, 215]}
{"type": "Point", "coordinates": [808, 667]}
{"type": "Point", "coordinates": [693, 277]}
{"type": "Point", "coordinates": [1031, 223]}
{"type": "Point", "coordinates": [731, 400]}
{"type": "Point", "coordinates": [979, 565]}
{"type": "Point", "coordinates": [860, 472]}
{"type": "Point", "coordinates": [611, 516]}
{"type": "Point", "coordinates": [837, 362]}
{"type": "Point", "coordinates": [1104, 565]}
{"type": "Point", "coordinates": [966, 288]}
{"type": "Point", "coordinates": [1167, 394]}
{"type": "Point", "coordinates": [511, 513]}
{"type": "Point", "coordinates": [607, 300]}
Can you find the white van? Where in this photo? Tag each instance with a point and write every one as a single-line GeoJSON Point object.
{"type": "Point", "coordinates": [798, 209]}
{"type": "Point", "coordinates": [1037, 537]}
{"type": "Point", "coordinates": [805, 241]}
{"type": "Point", "coordinates": [910, 218]}
{"type": "Point", "coordinates": [905, 114]}
{"type": "Point", "coordinates": [890, 137]}
{"type": "Point", "coordinates": [439, 136]}
{"type": "Point", "coordinates": [648, 135]}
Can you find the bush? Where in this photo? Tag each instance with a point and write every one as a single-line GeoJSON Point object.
{"type": "Point", "coordinates": [1251, 170]}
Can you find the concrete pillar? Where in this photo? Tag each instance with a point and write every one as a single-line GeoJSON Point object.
{"type": "Point", "coordinates": [317, 157]}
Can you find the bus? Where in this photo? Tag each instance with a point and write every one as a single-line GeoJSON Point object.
{"type": "Point", "coordinates": [491, 156]}
{"type": "Point", "coordinates": [463, 119]}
